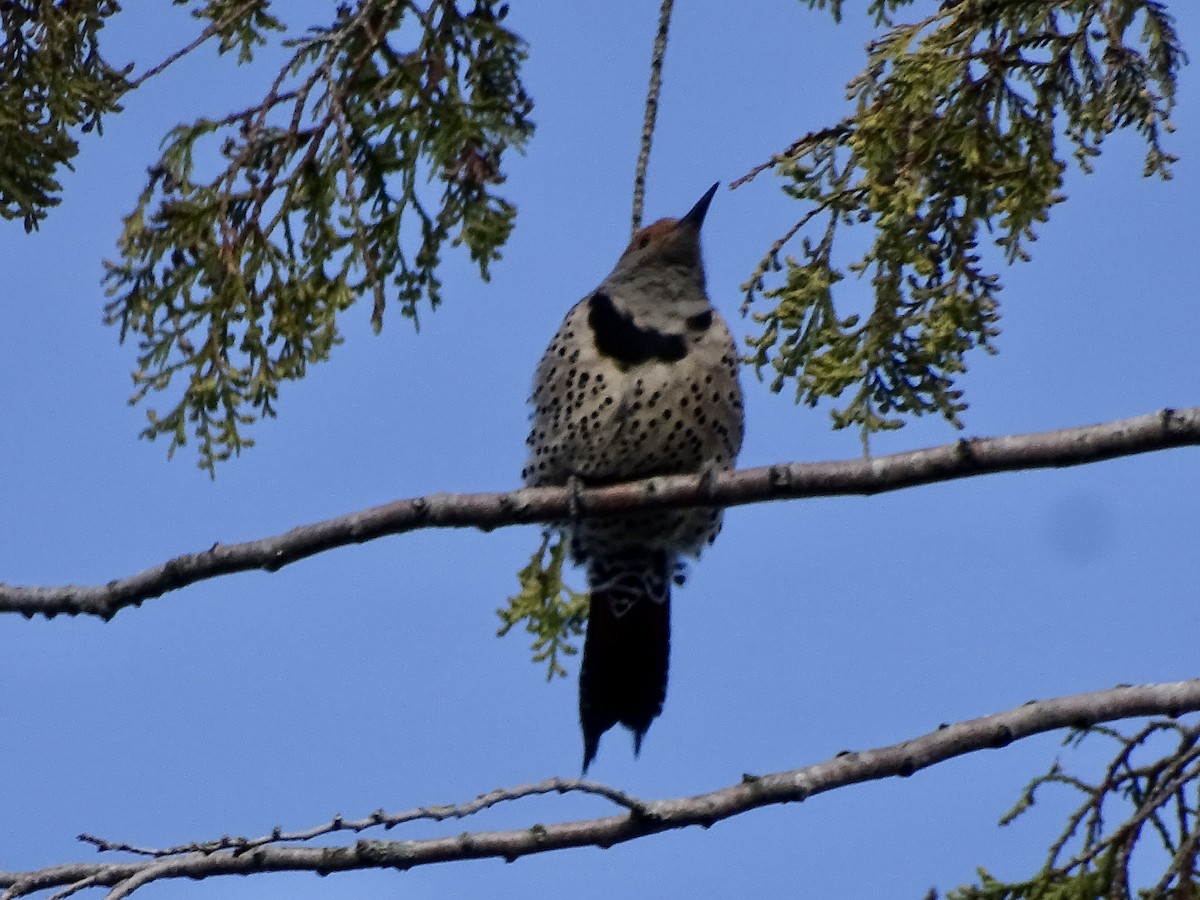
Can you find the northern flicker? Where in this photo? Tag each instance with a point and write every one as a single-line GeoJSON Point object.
{"type": "Point", "coordinates": [640, 380]}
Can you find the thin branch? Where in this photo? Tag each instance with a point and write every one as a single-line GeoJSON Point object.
{"type": "Point", "coordinates": [903, 759]}
{"type": "Point", "coordinates": [962, 459]}
{"type": "Point", "coordinates": [655, 88]}
{"type": "Point", "coordinates": [216, 27]}
{"type": "Point", "coordinates": [793, 150]}
{"type": "Point", "coordinates": [380, 818]}
{"type": "Point", "coordinates": [74, 888]}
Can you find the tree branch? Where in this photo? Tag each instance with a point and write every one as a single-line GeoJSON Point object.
{"type": "Point", "coordinates": [651, 114]}
{"type": "Point", "coordinates": [964, 458]}
{"type": "Point", "coordinates": [214, 28]}
{"type": "Point", "coordinates": [643, 818]}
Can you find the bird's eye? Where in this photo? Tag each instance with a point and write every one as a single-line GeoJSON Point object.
{"type": "Point", "coordinates": [643, 241]}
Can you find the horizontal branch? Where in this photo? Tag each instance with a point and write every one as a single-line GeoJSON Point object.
{"type": "Point", "coordinates": [962, 459]}
{"type": "Point", "coordinates": [643, 818]}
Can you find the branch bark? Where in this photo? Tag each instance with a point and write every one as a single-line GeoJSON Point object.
{"type": "Point", "coordinates": [641, 818]}
{"type": "Point", "coordinates": [965, 458]}
{"type": "Point", "coordinates": [651, 114]}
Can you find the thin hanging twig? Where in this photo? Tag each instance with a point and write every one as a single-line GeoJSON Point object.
{"type": "Point", "coordinates": [656, 64]}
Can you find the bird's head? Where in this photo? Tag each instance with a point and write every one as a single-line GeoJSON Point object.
{"type": "Point", "coordinates": [670, 241]}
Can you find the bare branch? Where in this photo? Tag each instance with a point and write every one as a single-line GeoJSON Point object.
{"type": "Point", "coordinates": [645, 818]}
{"type": "Point", "coordinates": [651, 115]}
{"type": "Point", "coordinates": [380, 818]}
{"type": "Point", "coordinates": [964, 458]}
{"type": "Point", "coordinates": [217, 26]}
{"type": "Point", "coordinates": [793, 150]}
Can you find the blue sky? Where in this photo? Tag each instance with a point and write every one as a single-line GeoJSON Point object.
{"type": "Point", "coordinates": [371, 676]}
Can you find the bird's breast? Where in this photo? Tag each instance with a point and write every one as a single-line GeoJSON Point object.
{"type": "Point", "coordinates": [660, 403]}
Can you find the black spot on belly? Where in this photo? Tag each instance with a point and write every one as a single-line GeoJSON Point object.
{"type": "Point", "coordinates": [700, 321]}
{"type": "Point", "coordinates": [619, 337]}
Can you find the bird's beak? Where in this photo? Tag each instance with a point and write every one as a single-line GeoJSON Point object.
{"type": "Point", "coordinates": [695, 216]}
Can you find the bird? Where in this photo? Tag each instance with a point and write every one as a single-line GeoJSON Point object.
{"type": "Point", "coordinates": [640, 380]}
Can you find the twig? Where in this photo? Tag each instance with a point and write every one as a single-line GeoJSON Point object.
{"type": "Point", "coordinates": [656, 65]}
{"type": "Point", "coordinates": [214, 28]}
{"type": "Point", "coordinates": [840, 130]}
{"type": "Point", "coordinates": [381, 819]}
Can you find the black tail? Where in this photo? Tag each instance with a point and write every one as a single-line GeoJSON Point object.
{"type": "Point", "coordinates": [624, 673]}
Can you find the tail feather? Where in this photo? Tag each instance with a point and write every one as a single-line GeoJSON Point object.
{"type": "Point", "coordinates": [623, 678]}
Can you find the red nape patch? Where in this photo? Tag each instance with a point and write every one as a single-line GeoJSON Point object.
{"type": "Point", "coordinates": [651, 233]}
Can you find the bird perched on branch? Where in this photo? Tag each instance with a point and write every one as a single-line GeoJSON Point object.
{"type": "Point", "coordinates": [640, 380]}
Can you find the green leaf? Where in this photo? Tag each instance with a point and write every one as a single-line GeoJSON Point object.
{"type": "Point", "coordinates": [378, 148]}
{"type": "Point", "coordinates": [551, 611]}
{"type": "Point", "coordinates": [54, 84]}
{"type": "Point", "coordinates": [957, 137]}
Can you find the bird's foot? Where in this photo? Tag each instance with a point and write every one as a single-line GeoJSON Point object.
{"type": "Point", "coordinates": [708, 479]}
{"type": "Point", "coordinates": [575, 496]}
